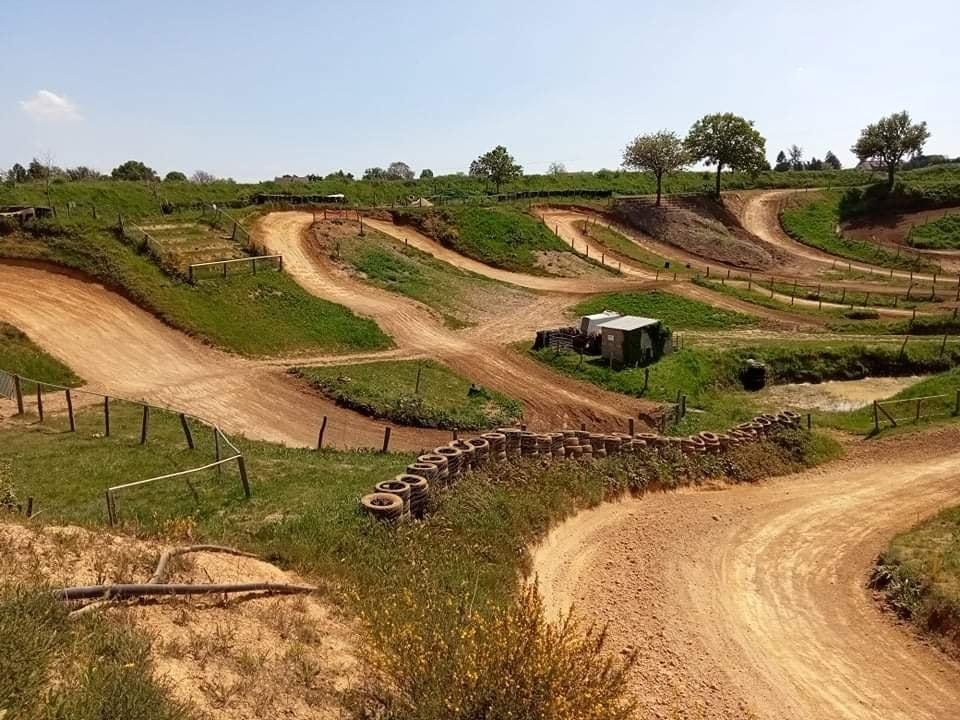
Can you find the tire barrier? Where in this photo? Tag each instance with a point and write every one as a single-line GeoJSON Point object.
{"type": "Point", "coordinates": [408, 494]}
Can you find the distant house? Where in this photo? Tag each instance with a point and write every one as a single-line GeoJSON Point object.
{"type": "Point", "coordinates": [630, 340]}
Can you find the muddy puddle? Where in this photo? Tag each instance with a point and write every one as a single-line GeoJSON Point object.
{"type": "Point", "coordinates": [836, 395]}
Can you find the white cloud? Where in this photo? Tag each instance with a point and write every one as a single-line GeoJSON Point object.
{"type": "Point", "coordinates": [49, 105]}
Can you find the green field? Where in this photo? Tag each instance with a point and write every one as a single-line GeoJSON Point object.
{"type": "Point", "coordinates": [411, 583]}
{"type": "Point", "coordinates": [678, 313]}
{"type": "Point", "coordinates": [459, 296]}
{"type": "Point", "coordinates": [390, 390]}
{"type": "Point", "coordinates": [812, 220]}
{"type": "Point", "coordinates": [19, 355]}
{"type": "Point", "coordinates": [612, 240]}
{"type": "Point", "coordinates": [940, 234]}
{"type": "Point", "coordinates": [257, 315]}
{"type": "Point", "coordinates": [920, 572]}
{"type": "Point", "coordinates": [504, 236]}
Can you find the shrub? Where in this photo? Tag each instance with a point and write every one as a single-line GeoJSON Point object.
{"type": "Point", "coordinates": [491, 662]}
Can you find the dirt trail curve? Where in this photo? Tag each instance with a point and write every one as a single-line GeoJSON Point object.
{"type": "Point", "coordinates": [751, 602]}
{"type": "Point", "coordinates": [122, 350]}
{"type": "Point", "coordinates": [550, 400]}
{"type": "Point", "coordinates": [760, 214]}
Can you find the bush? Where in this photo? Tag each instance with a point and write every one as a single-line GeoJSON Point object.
{"type": "Point", "coordinates": [492, 662]}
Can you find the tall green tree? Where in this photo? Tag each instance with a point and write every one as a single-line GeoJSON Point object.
{"type": "Point", "coordinates": [134, 170]}
{"type": "Point", "coordinates": [888, 140]}
{"type": "Point", "coordinates": [727, 141]}
{"type": "Point", "coordinates": [832, 161]}
{"type": "Point", "coordinates": [17, 174]}
{"type": "Point", "coordinates": [497, 166]}
{"type": "Point", "coordinates": [782, 163]}
{"type": "Point", "coordinates": [175, 176]}
{"type": "Point", "coordinates": [796, 157]}
{"type": "Point", "coordinates": [659, 153]}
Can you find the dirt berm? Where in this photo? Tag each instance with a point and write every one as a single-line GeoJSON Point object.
{"type": "Point", "coordinates": [700, 226]}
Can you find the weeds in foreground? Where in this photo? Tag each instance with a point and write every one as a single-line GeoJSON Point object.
{"type": "Point", "coordinates": [491, 661]}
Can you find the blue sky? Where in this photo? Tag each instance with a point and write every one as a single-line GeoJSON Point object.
{"type": "Point", "coordinates": [252, 90]}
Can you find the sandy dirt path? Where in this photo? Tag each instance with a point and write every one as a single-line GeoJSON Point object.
{"type": "Point", "coordinates": [550, 400]}
{"type": "Point", "coordinates": [760, 215]}
{"type": "Point", "coordinates": [123, 350]}
{"type": "Point", "coordinates": [751, 602]}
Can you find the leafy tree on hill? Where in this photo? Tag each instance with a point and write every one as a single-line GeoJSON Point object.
{"type": "Point", "coordinates": [134, 170]}
{"type": "Point", "coordinates": [175, 176]}
{"type": "Point", "coordinates": [889, 140]}
{"type": "Point", "coordinates": [17, 174]}
{"type": "Point", "coordinates": [814, 164]}
{"type": "Point", "coordinates": [782, 163]}
{"type": "Point", "coordinates": [426, 174]}
{"type": "Point", "coordinates": [556, 168]}
{"type": "Point", "coordinates": [375, 173]}
{"type": "Point", "coordinates": [832, 161]}
{"type": "Point", "coordinates": [659, 153]}
{"type": "Point", "coordinates": [37, 170]}
{"type": "Point", "coordinates": [496, 166]}
{"type": "Point", "coordinates": [82, 172]}
{"type": "Point", "coordinates": [399, 171]}
{"type": "Point", "coordinates": [726, 140]}
{"type": "Point", "coordinates": [340, 175]}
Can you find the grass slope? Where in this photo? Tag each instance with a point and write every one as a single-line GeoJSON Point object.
{"type": "Point", "coordinates": [263, 314]}
{"type": "Point", "coordinates": [679, 313]}
{"type": "Point", "coordinates": [389, 390]}
{"type": "Point", "coordinates": [504, 236]}
{"type": "Point", "coordinates": [19, 355]}
{"type": "Point", "coordinates": [941, 234]}
{"type": "Point", "coordinates": [812, 221]}
{"type": "Point", "coordinates": [618, 243]}
{"type": "Point", "coordinates": [459, 296]}
{"type": "Point", "coordinates": [920, 572]}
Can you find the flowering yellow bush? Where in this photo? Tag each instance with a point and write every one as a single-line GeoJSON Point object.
{"type": "Point", "coordinates": [490, 662]}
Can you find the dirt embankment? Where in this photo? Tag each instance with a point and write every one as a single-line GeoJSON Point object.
{"type": "Point", "coordinates": [701, 227]}
{"type": "Point", "coordinates": [249, 656]}
{"type": "Point", "coordinates": [751, 601]}
{"type": "Point", "coordinates": [892, 230]}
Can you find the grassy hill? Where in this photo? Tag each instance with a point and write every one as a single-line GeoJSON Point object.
{"type": "Point", "coordinates": [139, 199]}
{"type": "Point", "coordinates": [263, 314]}
{"type": "Point", "coordinates": [18, 354]}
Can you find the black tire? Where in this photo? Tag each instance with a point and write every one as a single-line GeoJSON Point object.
{"type": "Point", "coordinates": [383, 506]}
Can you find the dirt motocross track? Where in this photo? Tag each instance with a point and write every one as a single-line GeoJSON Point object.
{"type": "Point", "coordinates": [751, 602]}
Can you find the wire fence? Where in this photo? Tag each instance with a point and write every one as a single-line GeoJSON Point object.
{"type": "Point", "coordinates": [894, 413]}
{"type": "Point", "coordinates": [51, 401]}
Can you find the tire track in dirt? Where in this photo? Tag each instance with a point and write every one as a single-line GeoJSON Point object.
{"type": "Point", "coordinates": [751, 602]}
{"type": "Point", "coordinates": [550, 399]}
{"type": "Point", "coordinates": [125, 351]}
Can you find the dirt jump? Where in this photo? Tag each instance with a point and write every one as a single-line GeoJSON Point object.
{"type": "Point", "coordinates": [752, 601]}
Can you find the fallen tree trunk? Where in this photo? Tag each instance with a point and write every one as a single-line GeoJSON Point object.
{"type": "Point", "coordinates": [126, 591]}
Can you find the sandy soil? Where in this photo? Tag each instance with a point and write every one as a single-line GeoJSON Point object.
{"type": "Point", "coordinates": [835, 395]}
{"type": "Point", "coordinates": [249, 656]}
{"type": "Point", "coordinates": [550, 400]}
{"type": "Point", "coordinates": [750, 602]}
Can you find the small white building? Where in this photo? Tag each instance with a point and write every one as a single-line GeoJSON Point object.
{"type": "Point", "coordinates": [590, 324]}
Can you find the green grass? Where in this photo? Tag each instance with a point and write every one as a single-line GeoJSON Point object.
{"type": "Point", "coordinates": [471, 549]}
{"type": "Point", "coordinates": [19, 355]}
{"type": "Point", "coordinates": [618, 243]}
{"type": "Point", "coordinates": [389, 390]}
{"type": "Point", "coordinates": [710, 377]}
{"type": "Point", "coordinates": [920, 571]}
{"type": "Point", "coordinates": [263, 314]}
{"type": "Point", "coordinates": [503, 237]}
{"type": "Point", "coordinates": [459, 296]}
{"type": "Point", "coordinates": [853, 298]}
{"type": "Point", "coordinates": [679, 313]}
{"type": "Point", "coordinates": [52, 666]}
{"type": "Point", "coordinates": [940, 234]}
{"type": "Point", "coordinates": [812, 221]}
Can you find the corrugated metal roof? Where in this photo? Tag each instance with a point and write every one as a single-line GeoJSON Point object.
{"type": "Point", "coordinates": [603, 315]}
{"type": "Point", "coordinates": [629, 322]}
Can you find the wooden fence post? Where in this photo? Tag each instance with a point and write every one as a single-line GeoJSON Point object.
{"type": "Point", "coordinates": [242, 467]}
{"type": "Point", "coordinates": [18, 391]}
{"type": "Point", "coordinates": [111, 512]}
{"type": "Point", "coordinates": [323, 429]}
{"type": "Point", "coordinates": [186, 431]}
{"type": "Point", "coordinates": [386, 439]}
{"type": "Point", "coordinates": [73, 424]}
{"type": "Point", "coordinates": [106, 416]}
{"type": "Point", "coordinates": [918, 409]}
{"type": "Point", "coordinates": [39, 402]}
{"type": "Point", "coordinates": [216, 449]}
{"type": "Point", "coordinates": [876, 417]}
{"type": "Point", "coordinates": [956, 407]}
{"type": "Point", "coordinates": [144, 423]}
{"type": "Point", "coordinates": [630, 424]}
